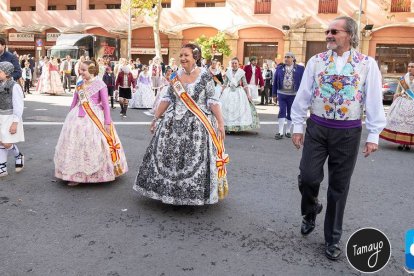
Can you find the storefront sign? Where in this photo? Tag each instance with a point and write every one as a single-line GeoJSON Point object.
{"type": "Point", "coordinates": [52, 36]}
{"type": "Point", "coordinates": [21, 37]}
{"type": "Point", "coordinates": [147, 51]}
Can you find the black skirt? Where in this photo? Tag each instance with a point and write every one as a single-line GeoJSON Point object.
{"type": "Point", "coordinates": [125, 93]}
{"type": "Point", "coordinates": [111, 91]}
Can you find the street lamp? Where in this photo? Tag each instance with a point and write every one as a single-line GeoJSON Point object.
{"type": "Point", "coordinates": [129, 29]}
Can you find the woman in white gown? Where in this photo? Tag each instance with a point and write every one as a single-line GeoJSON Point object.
{"type": "Point", "coordinates": [144, 96]}
{"type": "Point", "coordinates": [400, 120]}
{"type": "Point", "coordinates": [238, 110]}
{"type": "Point", "coordinates": [163, 90]}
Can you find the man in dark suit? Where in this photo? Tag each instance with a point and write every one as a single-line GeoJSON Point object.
{"type": "Point", "coordinates": [254, 77]}
{"type": "Point", "coordinates": [7, 56]}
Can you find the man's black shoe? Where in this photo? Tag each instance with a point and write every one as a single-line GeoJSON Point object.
{"type": "Point", "coordinates": [278, 136]}
{"type": "Point", "coordinates": [308, 222]}
{"type": "Point", "coordinates": [333, 251]}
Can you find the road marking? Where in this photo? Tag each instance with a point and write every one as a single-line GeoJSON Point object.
{"type": "Point", "coordinates": [121, 123]}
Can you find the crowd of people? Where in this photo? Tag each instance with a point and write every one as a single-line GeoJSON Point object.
{"type": "Point", "coordinates": [194, 106]}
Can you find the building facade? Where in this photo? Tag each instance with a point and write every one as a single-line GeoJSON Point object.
{"type": "Point", "coordinates": [263, 28]}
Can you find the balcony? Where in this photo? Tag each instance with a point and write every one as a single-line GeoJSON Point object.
{"type": "Point", "coordinates": [22, 5]}
{"type": "Point", "coordinates": [55, 5]}
{"type": "Point", "coordinates": [328, 6]}
{"type": "Point", "coordinates": [400, 5]}
{"type": "Point", "coordinates": [262, 6]}
{"type": "Point", "coordinates": [204, 3]}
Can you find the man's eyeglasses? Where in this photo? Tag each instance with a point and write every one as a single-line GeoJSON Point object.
{"type": "Point", "coordinates": [334, 31]}
{"type": "Point", "coordinates": [288, 57]}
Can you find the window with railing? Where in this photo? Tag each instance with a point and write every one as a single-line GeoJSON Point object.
{"type": "Point", "coordinates": [53, 5]}
{"type": "Point", "coordinates": [104, 4]}
{"type": "Point", "coordinates": [328, 6]}
{"type": "Point", "coordinates": [400, 5]}
{"type": "Point", "coordinates": [113, 6]}
{"type": "Point", "coordinates": [166, 4]}
{"type": "Point", "coordinates": [262, 6]}
{"type": "Point", "coordinates": [21, 5]}
{"type": "Point", "coordinates": [32, 8]}
{"type": "Point", "coordinates": [204, 3]}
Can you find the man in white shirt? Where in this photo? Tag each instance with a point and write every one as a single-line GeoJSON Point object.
{"type": "Point", "coordinates": [336, 85]}
{"type": "Point", "coordinates": [66, 70]}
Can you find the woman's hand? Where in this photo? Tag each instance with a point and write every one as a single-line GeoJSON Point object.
{"type": "Point", "coordinates": [396, 95]}
{"type": "Point", "coordinates": [13, 128]}
{"type": "Point", "coordinates": [249, 97]}
{"type": "Point", "coordinates": [221, 132]}
{"type": "Point", "coordinates": [153, 126]}
{"type": "Point", "coordinates": [108, 128]}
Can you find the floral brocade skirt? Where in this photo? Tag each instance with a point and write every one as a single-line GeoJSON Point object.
{"type": "Point", "coordinates": [179, 165]}
{"type": "Point", "coordinates": [82, 153]}
{"type": "Point", "coordinates": [400, 122]}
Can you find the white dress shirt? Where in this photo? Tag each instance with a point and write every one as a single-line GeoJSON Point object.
{"type": "Point", "coordinates": [375, 117]}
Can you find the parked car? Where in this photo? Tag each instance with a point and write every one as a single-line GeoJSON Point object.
{"type": "Point", "coordinates": [389, 87]}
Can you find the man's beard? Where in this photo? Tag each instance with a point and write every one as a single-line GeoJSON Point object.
{"type": "Point", "coordinates": [331, 46]}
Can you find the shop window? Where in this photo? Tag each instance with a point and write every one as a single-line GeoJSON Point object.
{"type": "Point", "coordinates": [91, 6]}
{"type": "Point", "coordinates": [113, 6]}
{"type": "Point", "coordinates": [33, 8]}
{"type": "Point", "coordinates": [15, 8]}
{"type": "Point", "coordinates": [400, 5]}
{"type": "Point", "coordinates": [328, 6]}
{"type": "Point", "coordinates": [394, 58]}
{"type": "Point", "coordinates": [264, 51]}
{"type": "Point", "coordinates": [71, 7]}
{"type": "Point", "coordinates": [262, 6]}
{"type": "Point", "coordinates": [51, 8]}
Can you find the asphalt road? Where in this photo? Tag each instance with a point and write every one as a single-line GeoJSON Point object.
{"type": "Point", "coordinates": [48, 228]}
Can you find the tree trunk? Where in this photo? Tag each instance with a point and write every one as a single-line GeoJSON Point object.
{"type": "Point", "coordinates": [156, 30]}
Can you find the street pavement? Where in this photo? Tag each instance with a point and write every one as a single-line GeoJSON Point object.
{"type": "Point", "coordinates": [48, 228]}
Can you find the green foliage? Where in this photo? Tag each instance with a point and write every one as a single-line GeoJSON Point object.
{"type": "Point", "coordinates": [218, 41]}
{"type": "Point", "coordinates": [142, 7]}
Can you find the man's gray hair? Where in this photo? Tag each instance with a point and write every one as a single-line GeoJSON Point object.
{"type": "Point", "coordinates": [352, 28]}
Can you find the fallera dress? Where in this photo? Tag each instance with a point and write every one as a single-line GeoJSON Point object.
{"type": "Point", "coordinates": [144, 96]}
{"type": "Point", "coordinates": [179, 166]}
{"type": "Point", "coordinates": [82, 153]}
{"type": "Point", "coordinates": [238, 112]}
{"type": "Point", "coordinates": [400, 119]}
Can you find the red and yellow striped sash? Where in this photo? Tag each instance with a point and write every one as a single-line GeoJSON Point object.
{"type": "Point", "coordinates": [222, 157]}
{"type": "Point", "coordinates": [114, 146]}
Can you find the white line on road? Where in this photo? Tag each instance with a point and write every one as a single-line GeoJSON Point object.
{"type": "Point", "coordinates": [121, 123]}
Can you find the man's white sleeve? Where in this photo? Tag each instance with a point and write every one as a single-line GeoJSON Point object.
{"type": "Point", "coordinates": [375, 116]}
{"type": "Point", "coordinates": [303, 98]}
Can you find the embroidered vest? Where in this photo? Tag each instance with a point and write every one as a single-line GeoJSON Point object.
{"type": "Point", "coordinates": [6, 95]}
{"type": "Point", "coordinates": [339, 95]}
